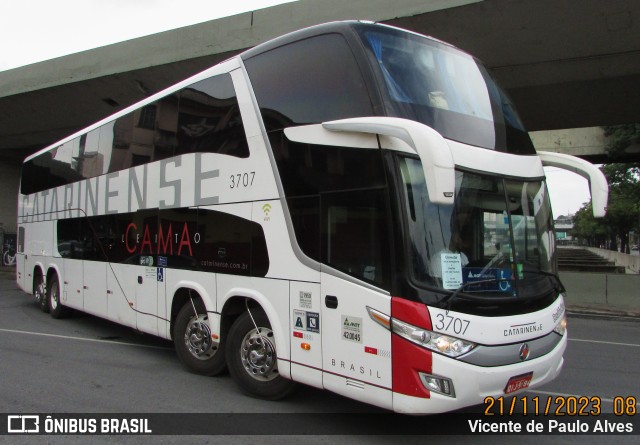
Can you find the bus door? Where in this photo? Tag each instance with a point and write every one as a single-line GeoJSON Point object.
{"type": "Point", "coordinates": [356, 350]}
{"type": "Point", "coordinates": [141, 272]}
{"type": "Point", "coordinates": [121, 294]}
{"type": "Point", "coordinates": [85, 283]}
{"type": "Point", "coordinates": [147, 279]}
{"type": "Point", "coordinates": [94, 275]}
{"type": "Point", "coordinates": [72, 286]}
{"type": "Point", "coordinates": [132, 293]}
{"type": "Point", "coordinates": [71, 247]}
{"type": "Point", "coordinates": [20, 261]}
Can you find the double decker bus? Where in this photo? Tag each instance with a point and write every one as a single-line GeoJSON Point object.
{"type": "Point", "coordinates": [351, 206]}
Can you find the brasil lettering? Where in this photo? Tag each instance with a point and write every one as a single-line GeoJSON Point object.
{"type": "Point", "coordinates": [127, 191]}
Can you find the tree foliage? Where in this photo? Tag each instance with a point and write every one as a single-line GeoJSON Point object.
{"type": "Point", "coordinates": [623, 210]}
{"type": "Point", "coordinates": [620, 137]}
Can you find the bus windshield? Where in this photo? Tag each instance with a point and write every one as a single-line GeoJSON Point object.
{"type": "Point", "coordinates": [442, 87]}
{"type": "Point", "coordinates": [497, 233]}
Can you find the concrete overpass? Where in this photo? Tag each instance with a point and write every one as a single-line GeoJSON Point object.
{"type": "Point", "coordinates": [587, 143]}
{"type": "Point", "coordinates": [566, 63]}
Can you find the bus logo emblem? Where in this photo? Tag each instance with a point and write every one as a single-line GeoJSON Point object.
{"type": "Point", "coordinates": [524, 352]}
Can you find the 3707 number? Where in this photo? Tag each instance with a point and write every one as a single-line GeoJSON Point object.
{"type": "Point", "coordinates": [241, 180]}
{"type": "Point", "coordinates": [451, 324]}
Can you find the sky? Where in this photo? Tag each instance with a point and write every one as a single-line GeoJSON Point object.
{"type": "Point", "coordinates": [36, 30]}
{"type": "Point", "coordinates": [567, 190]}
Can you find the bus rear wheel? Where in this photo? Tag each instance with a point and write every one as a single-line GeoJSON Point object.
{"type": "Point", "coordinates": [252, 358]}
{"type": "Point", "coordinates": [40, 292]}
{"type": "Point", "coordinates": [194, 344]}
{"type": "Point", "coordinates": [56, 308]}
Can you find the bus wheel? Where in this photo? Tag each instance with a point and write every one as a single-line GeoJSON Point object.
{"type": "Point", "coordinates": [193, 342]}
{"type": "Point", "coordinates": [40, 292]}
{"type": "Point", "coordinates": [53, 298]}
{"type": "Point", "coordinates": [252, 358]}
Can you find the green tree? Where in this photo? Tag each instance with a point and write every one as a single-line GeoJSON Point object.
{"type": "Point", "coordinates": [620, 137]}
{"type": "Point", "coordinates": [623, 210]}
{"type": "Point", "coordinates": [588, 229]}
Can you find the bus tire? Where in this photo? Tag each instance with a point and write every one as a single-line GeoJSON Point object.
{"type": "Point", "coordinates": [193, 342]}
{"type": "Point", "coordinates": [56, 308]}
{"type": "Point", "coordinates": [252, 358]}
{"type": "Point", "coordinates": [40, 292]}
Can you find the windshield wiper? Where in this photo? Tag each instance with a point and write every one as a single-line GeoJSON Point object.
{"type": "Point", "coordinates": [558, 286]}
{"type": "Point", "coordinates": [453, 295]}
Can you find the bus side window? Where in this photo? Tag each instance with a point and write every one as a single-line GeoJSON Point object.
{"type": "Point", "coordinates": [308, 81]}
{"type": "Point", "coordinates": [336, 199]}
{"type": "Point", "coordinates": [355, 235]}
{"type": "Point", "coordinates": [144, 135]}
{"type": "Point", "coordinates": [209, 119]}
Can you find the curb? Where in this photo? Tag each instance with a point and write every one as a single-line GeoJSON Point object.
{"type": "Point", "coordinates": [603, 311]}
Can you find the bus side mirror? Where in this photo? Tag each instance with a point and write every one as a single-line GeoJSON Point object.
{"type": "Point", "coordinates": [597, 180]}
{"type": "Point", "coordinates": [434, 152]}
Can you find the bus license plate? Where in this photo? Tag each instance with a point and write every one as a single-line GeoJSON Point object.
{"type": "Point", "coordinates": [518, 382]}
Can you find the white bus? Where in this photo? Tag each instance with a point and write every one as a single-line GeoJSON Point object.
{"type": "Point", "coordinates": [351, 206]}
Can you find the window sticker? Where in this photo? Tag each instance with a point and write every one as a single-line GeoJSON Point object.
{"type": "Point", "coordinates": [305, 300]}
{"type": "Point", "coordinates": [313, 322]}
{"type": "Point", "coordinates": [352, 328]}
{"type": "Point", "coordinates": [451, 264]}
{"type": "Point", "coordinates": [299, 320]}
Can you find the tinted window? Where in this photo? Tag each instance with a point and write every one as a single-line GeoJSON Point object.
{"type": "Point", "coordinates": [337, 202]}
{"type": "Point", "coordinates": [203, 117]}
{"type": "Point", "coordinates": [145, 135]}
{"type": "Point", "coordinates": [309, 81]}
{"type": "Point", "coordinates": [311, 169]}
{"type": "Point", "coordinates": [148, 117]}
{"type": "Point", "coordinates": [44, 172]}
{"type": "Point", "coordinates": [354, 236]}
{"type": "Point", "coordinates": [193, 239]}
{"type": "Point", "coordinates": [229, 244]}
{"type": "Point", "coordinates": [209, 119]}
{"type": "Point", "coordinates": [78, 240]}
{"type": "Point", "coordinates": [444, 88]}
{"type": "Point", "coordinates": [70, 243]}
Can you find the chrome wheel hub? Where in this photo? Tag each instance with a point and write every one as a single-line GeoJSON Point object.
{"type": "Point", "coordinates": [258, 354]}
{"type": "Point", "coordinates": [197, 338]}
{"type": "Point", "coordinates": [39, 292]}
{"type": "Point", "coordinates": [54, 296]}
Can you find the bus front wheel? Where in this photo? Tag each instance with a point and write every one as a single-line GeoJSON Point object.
{"type": "Point", "coordinates": [194, 344]}
{"type": "Point", "coordinates": [252, 358]}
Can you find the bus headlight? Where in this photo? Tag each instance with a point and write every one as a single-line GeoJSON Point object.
{"type": "Point", "coordinates": [561, 327]}
{"type": "Point", "coordinates": [444, 344]}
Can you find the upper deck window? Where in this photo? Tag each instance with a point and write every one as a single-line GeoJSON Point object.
{"type": "Point", "coordinates": [203, 117]}
{"type": "Point", "coordinates": [309, 81]}
{"type": "Point", "coordinates": [444, 88]}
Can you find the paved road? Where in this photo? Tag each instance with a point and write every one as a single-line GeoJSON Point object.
{"type": "Point", "coordinates": [85, 364]}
